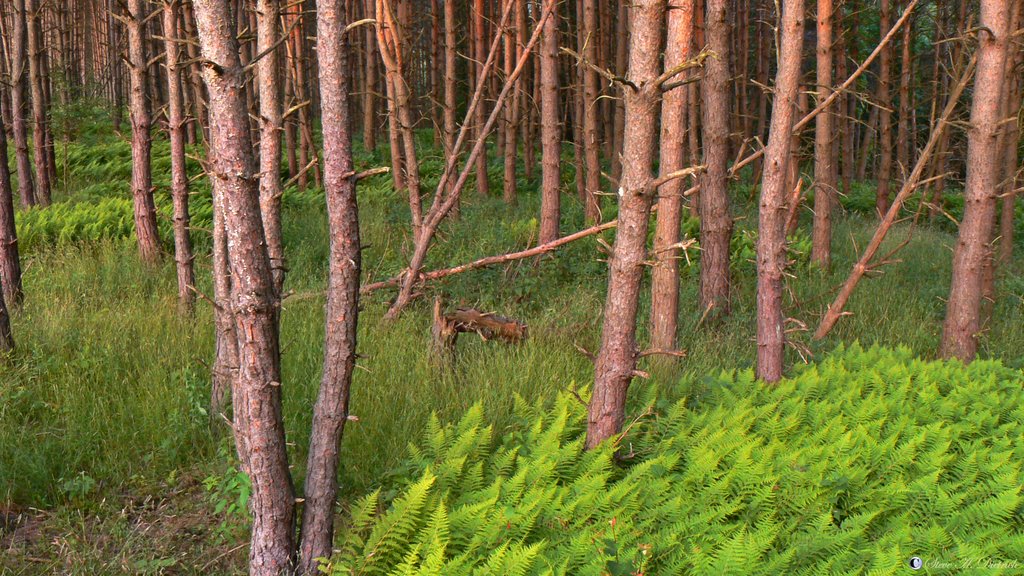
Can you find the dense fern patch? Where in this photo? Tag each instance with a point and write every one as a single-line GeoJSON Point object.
{"type": "Point", "coordinates": [850, 467]}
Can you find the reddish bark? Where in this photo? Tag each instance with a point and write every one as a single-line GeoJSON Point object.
{"type": "Point", "coordinates": [256, 390]}
{"type": "Point", "coordinates": [39, 112]}
{"type": "Point", "coordinates": [146, 234]}
{"type": "Point", "coordinates": [331, 409]}
{"type": "Point", "coordinates": [616, 360]}
{"type": "Point", "coordinates": [19, 104]}
{"type": "Point", "coordinates": [268, 13]}
{"type": "Point", "coordinates": [551, 130]}
{"type": "Point", "coordinates": [771, 238]}
{"type": "Point", "coordinates": [884, 117]}
{"type": "Point", "coordinates": [479, 43]}
{"type": "Point", "coordinates": [824, 169]}
{"type": "Point", "coordinates": [179, 175]}
{"type": "Point", "coordinates": [591, 107]}
{"type": "Point", "coordinates": [963, 311]}
{"type": "Point", "coordinates": [665, 273]}
{"type": "Point", "coordinates": [10, 262]}
{"type": "Point", "coordinates": [715, 221]}
{"type": "Point", "coordinates": [371, 81]}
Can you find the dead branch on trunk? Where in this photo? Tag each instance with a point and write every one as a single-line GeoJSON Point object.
{"type": "Point", "coordinates": [864, 265]}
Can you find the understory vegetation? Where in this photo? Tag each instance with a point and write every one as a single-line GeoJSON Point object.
{"type": "Point", "coordinates": [863, 457]}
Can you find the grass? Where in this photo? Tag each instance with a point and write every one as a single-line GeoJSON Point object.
{"type": "Point", "coordinates": [105, 396]}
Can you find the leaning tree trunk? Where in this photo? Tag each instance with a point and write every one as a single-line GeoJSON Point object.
{"type": "Point", "coordinates": [963, 309]}
{"type": "Point", "coordinates": [665, 273]}
{"type": "Point", "coordinates": [39, 115]}
{"type": "Point", "coordinates": [10, 263]}
{"type": "Point", "coordinates": [19, 104]}
{"type": "Point", "coordinates": [715, 221]}
{"type": "Point", "coordinates": [179, 175]}
{"type": "Point", "coordinates": [551, 131]}
{"type": "Point", "coordinates": [256, 391]}
{"type": "Point", "coordinates": [824, 170]}
{"type": "Point", "coordinates": [271, 123]}
{"type": "Point", "coordinates": [616, 361]}
{"type": "Point", "coordinates": [771, 235]}
{"type": "Point", "coordinates": [331, 409]}
{"type": "Point", "coordinates": [142, 177]}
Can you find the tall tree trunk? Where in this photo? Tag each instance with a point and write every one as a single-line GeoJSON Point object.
{"type": "Point", "coordinates": [1011, 142]}
{"type": "Point", "coordinates": [771, 235]}
{"type": "Point", "coordinates": [963, 310]}
{"type": "Point", "coordinates": [715, 221]}
{"type": "Point", "coordinates": [450, 95]}
{"type": "Point", "coordinates": [884, 116]}
{"type": "Point", "coordinates": [511, 117]}
{"type": "Point", "coordinates": [480, 55]}
{"type": "Point", "coordinates": [10, 262]}
{"type": "Point", "coordinates": [370, 94]}
{"type": "Point", "coordinates": [904, 134]}
{"type": "Point", "coordinates": [256, 391]}
{"type": "Point", "coordinates": [551, 131]}
{"type": "Point", "coordinates": [591, 107]}
{"type": "Point", "coordinates": [824, 170]}
{"type": "Point", "coordinates": [616, 359]}
{"type": "Point", "coordinates": [619, 116]}
{"type": "Point", "coordinates": [19, 104]}
{"type": "Point", "coordinates": [39, 112]}
{"type": "Point", "coordinates": [331, 409]}
{"type": "Point", "coordinates": [665, 273]}
{"type": "Point", "coordinates": [268, 13]}
{"type": "Point", "coordinates": [142, 177]}
{"type": "Point", "coordinates": [176, 121]}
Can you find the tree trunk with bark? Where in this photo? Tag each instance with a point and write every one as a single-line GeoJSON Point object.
{"type": "Point", "coordinates": [10, 262]}
{"type": "Point", "coordinates": [331, 409]}
{"type": "Point", "coordinates": [39, 112]}
{"type": "Point", "coordinates": [146, 234]}
{"type": "Point", "coordinates": [715, 221]}
{"type": "Point", "coordinates": [963, 309]}
{"type": "Point", "coordinates": [824, 169]}
{"type": "Point", "coordinates": [256, 390]}
{"type": "Point", "coordinates": [176, 121]}
{"type": "Point", "coordinates": [19, 104]}
{"type": "Point", "coordinates": [665, 273]}
{"type": "Point", "coordinates": [479, 42]}
{"type": "Point", "coordinates": [591, 107]}
{"type": "Point", "coordinates": [884, 116]}
{"type": "Point", "coordinates": [616, 361]}
{"type": "Point", "coordinates": [551, 131]}
{"type": "Point", "coordinates": [371, 82]}
{"type": "Point", "coordinates": [771, 231]}
{"type": "Point", "coordinates": [268, 13]}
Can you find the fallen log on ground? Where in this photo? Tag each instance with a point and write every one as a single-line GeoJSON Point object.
{"type": "Point", "coordinates": [489, 326]}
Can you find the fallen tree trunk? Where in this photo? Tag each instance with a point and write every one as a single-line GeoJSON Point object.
{"type": "Point", "coordinates": [491, 260]}
{"type": "Point", "coordinates": [489, 326]}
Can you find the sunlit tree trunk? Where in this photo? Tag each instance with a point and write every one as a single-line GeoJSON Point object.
{"type": "Point", "coordinates": [179, 174]}
{"type": "Point", "coordinates": [142, 177]}
{"type": "Point", "coordinates": [616, 360]}
{"type": "Point", "coordinates": [268, 13]}
{"type": "Point", "coordinates": [551, 131]}
{"type": "Point", "coordinates": [715, 221]}
{"type": "Point", "coordinates": [331, 409]}
{"type": "Point", "coordinates": [665, 273]}
{"type": "Point", "coordinates": [824, 170]}
{"type": "Point", "coordinates": [256, 391]}
{"type": "Point", "coordinates": [771, 235]}
{"type": "Point", "coordinates": [963, 310]}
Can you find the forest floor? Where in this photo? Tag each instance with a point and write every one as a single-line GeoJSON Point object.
{"type": "Point", "coordinates": [108, 464]}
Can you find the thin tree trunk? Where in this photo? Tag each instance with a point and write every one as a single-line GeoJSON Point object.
{"type": "Point", "coordinates": [10, 262]}
{"type": "Point", "coordinates": [665, 273]}
{"type": "Point", "coordinates": [479, 51]}
{"type": "Point", "coordinates": [619, 117]}
{"type": "Point", "coordinates": [370, 94]}
{"type": "Point", "coordinates": [511, 118]}
{"type": "Point", "coordinates": [142, 177]}
{"type": "Point", "coordinates": [904, 135]}
{"type": "Point", "coordinates": [591, 106]}
{"type": "Point", "coordinates": [715, 221]}
{"type": "Point", "coordinates": [771, 231]}
{"type": "Point", "coordinates": [268, 13]}
{"type": "Point", "coordinates": [1011, 142]}
{"type": "Point", "coordinates": [256, 391]}
{"type": "Point", "coordinates": [963, 310]}
{"type": "Point", "coordinates": [616, 360]}
{"type": "Point", "coordinates": [19, 104]}
{"type": "Point", "coordinates": [179, 175]}
{"type": "Point", "coordinates": [884, 117]}
{"type": "Point", "coordinates": [331, 409]}
{"type": "Point", "coordinates": [824, 170]}
{"type": "Point", "coordinates": [551, 130]}
{"type": "Point", "coordinates": [39, 113]}
{"type": "Point", "coordinates": [450, 96]}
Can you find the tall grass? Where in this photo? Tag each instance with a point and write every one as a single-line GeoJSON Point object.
{"type": "Point", "coordinates": [108, 385]}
